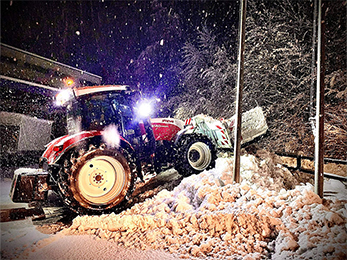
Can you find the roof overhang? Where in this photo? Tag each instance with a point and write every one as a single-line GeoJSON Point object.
{"type": "Point", "coordinates": [28, 68]}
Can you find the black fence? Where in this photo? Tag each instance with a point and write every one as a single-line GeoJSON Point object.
{"type": "Point", "coordinates": [299, 165]}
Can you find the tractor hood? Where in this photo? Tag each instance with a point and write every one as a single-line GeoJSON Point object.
{"type": "Point", "coordinates": [166, 128]}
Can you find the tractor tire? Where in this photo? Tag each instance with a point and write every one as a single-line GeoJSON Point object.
{"type": "Point", "coordinates": [195, 153]}
{"type": "Point", "coordinates": [97, 181]}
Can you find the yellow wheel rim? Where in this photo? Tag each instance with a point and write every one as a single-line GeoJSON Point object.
{"type": "Point", "coordinates": [199, 156]}
{"type": "Point", "coordinates": [101, 180]}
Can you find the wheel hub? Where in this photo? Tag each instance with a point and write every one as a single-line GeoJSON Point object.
{"type": "Point", "coordinates": [194, 156]}
{"type": "Point", "coordinates": [98, 178]}
{"type": "Point", "coordinates": [101, 179]}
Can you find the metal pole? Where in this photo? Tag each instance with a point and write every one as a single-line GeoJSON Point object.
{"type": "Point", "coordinates": [319, 138]}
{"type": "Point", "coordinates": [237, 144]}
{"type": "Point", "coordinates": [313, 63]}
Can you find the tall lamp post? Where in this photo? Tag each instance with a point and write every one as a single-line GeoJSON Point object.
{"type": "Point", "coordinates": [240, 72]}
{"type": "Point", "coordinates": [319, 136]}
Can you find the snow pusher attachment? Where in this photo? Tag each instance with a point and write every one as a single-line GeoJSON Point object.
{"type": "Point", "coordinates": [29, 185]}
{"type": "Point", "coordinates": [221, 132]}
{"type": "Point", "coordinates": [253, 124]}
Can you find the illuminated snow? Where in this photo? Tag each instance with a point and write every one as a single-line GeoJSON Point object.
{"type": "Point", "coordinates": [208, 217]}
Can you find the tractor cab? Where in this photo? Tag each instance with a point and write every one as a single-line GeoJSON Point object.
{"type": "Point", "coordinates": [94, 111]}
{"type": "Point", "coordinates": [99, 107]}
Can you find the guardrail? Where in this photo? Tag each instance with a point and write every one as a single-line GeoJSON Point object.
{"type": "Point", "coordinates": [299, 167]}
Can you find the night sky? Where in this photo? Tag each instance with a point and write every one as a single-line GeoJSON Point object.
{"type": "Point", "coordinates": [125, 42]}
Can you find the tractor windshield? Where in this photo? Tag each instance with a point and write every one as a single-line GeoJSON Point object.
{"type": "Point", "coordinates": [94, 112]}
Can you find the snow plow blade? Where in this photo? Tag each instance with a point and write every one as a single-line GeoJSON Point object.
{"type": "Point", "coordinates": [29, 185]}
{"type": "Point", "coordinates": [221, 132]}
{"type": "Point", "coordinates": [253, 124]}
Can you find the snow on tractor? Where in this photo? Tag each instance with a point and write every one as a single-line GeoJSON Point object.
{"type": "Point", "coordinates": [112, 143]}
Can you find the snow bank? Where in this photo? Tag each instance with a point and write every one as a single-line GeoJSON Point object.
{"type": "Point", "coordinates": [16, 236]}
{"type": "Point", "coordinates": [83, 247]}
{"type": "Point", "coordinates": [208, 217]}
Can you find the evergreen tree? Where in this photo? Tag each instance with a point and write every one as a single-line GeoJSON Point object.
{"type": "Point", "coordinates": [207, 78]}
{"type": "Point", "coordinates": [278, 66]}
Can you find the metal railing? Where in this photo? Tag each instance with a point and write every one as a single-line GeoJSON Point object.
{"type": "Point", "coordinates": [299, 165]}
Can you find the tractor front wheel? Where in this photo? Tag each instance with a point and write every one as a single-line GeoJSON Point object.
{"type": "Point", "coordinates": [195, 153]}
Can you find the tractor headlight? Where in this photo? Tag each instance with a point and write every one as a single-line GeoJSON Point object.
{"type": "Point", "coordinates": [144, 109]}
{"type": "Point", "coordinates": [63, 97]}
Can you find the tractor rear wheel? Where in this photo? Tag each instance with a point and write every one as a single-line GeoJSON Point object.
{"type": "Point", "coordinates": [195, 153]}
{"type": "Point", "coordinates": [99, 180]}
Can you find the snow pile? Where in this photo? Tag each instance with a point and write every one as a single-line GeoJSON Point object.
{"type": "Point", "coordinates": [208, 217]}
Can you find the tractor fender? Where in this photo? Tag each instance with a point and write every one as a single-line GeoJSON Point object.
{"type": "Point", "coordinates": [58, 147]}
{"type": "Point", "coordinates": [188, 130]}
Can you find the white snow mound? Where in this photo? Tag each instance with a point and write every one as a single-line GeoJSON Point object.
{"type": "Point", "coordinates": [207, 216]}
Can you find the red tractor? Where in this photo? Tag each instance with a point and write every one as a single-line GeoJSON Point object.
{"type": "Point", "coordinates": [111, 143]}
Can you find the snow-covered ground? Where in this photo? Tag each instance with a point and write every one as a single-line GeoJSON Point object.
{"type": "Point", "coordinates": [207, 217]}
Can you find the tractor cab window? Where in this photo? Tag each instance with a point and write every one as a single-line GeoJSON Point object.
{"type": "Point", "coordinates": [94, 112]}
{"type": "Point", "coordinates": [97, 113]}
